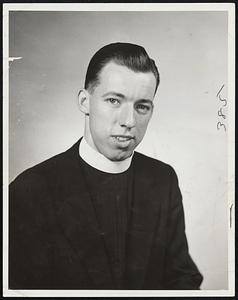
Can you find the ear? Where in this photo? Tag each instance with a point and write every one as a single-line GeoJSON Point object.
{"type": "Point", "coordinates": [83, 100]}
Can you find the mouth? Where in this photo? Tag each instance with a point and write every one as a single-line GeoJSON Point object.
{"type": "Point", "coordinates": [123, 138]}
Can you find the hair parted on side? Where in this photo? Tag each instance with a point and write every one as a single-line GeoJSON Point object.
{"type": "Point", "coordinates": [130, 55]}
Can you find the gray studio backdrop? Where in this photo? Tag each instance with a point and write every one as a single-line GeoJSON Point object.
{"type": "Point", "coordinates": [190, 49]}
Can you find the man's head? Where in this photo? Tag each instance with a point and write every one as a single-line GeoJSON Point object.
{"type": "Point", "coordinates": [120, 85]}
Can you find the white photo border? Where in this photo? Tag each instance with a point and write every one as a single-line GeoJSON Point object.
{"type": "Point", "coordinates": [230, 8]}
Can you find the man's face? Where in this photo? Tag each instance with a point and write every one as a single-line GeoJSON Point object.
{"type": "Point", "coordinates": [120, 108]}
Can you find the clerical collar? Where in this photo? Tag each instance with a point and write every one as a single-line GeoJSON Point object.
{"type": "Point", "coordinates": [98, 161]}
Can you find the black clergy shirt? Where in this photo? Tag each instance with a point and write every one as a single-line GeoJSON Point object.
{"type": "Point", "coordinates": [111, 201]}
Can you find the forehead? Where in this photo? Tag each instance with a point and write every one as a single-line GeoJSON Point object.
{"type": "Point", "coordinates": [117, 78]}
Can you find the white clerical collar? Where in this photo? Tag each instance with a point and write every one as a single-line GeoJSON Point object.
{"type": "Point", "coordinates": [100, 162]}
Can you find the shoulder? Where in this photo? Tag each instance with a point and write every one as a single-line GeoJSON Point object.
{"type": "Point", "coordinates": [156, 172]}
{"type": "Point", "coordinates": [152, 165]}
{"type": "Point", "coordinates": [32, 192]}
{"type": "Point", "coordinates": [51, 168]}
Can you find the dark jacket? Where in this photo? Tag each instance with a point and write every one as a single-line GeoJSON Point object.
{"type": "Point", "coordinates": [55, 243]}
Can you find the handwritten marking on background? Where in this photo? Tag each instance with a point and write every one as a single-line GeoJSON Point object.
{"type": "Point", "coordinates": [231, 215]}
{"type": "Point", "coordinates": [220, 112]}
{"type": "Point", "coordinates": [14, 58]}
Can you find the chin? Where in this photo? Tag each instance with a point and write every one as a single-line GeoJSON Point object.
{"type": "Point", "coordinates": [120, 156]}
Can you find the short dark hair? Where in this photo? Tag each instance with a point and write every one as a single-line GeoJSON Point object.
{"type": "Point", "coordinates": [132, 56]}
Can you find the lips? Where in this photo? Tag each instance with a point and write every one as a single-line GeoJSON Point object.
{"type": "Point", "coordinates": [123, 138]}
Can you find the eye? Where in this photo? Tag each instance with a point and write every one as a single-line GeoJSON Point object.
{"type": "Point", "coordinates": [143, 109]}
{"type": "Point", "coordinates": [113, 101]}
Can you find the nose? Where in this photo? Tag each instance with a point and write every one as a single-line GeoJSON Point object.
{"type": "Point", "coordinates": [127, 116]}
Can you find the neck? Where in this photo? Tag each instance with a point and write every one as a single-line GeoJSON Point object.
{"type": "Point", "coordinates": [100, 162]}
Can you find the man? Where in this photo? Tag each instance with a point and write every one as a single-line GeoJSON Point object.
{"type": "Point", "coordinates": [101, 216]}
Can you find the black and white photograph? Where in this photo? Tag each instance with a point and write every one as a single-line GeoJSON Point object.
{"type": "Point", "coordinates": [118, 149]}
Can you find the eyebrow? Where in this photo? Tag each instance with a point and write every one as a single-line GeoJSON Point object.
{"type": "Point", "coordinates": [123, 97]}
{"type": "Point", "coordinates": [114, 94]}
{"type": "Point", "coordinates": [147, 101]}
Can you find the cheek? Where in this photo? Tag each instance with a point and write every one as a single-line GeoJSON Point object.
{"type": "Point", "coordinates": [142, 124]}
{"type": "Point", "coordinates": [100, 111]}
{"type": "Point", "coordinates": [102, 122]}
{"type": "Point", "coordinates": [97, 116]}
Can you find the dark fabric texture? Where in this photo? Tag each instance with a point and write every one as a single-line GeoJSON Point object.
{"type": "Point", "coordinates": [111, 201]}
{"type": "Point", "coordinates": [55, 241]}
